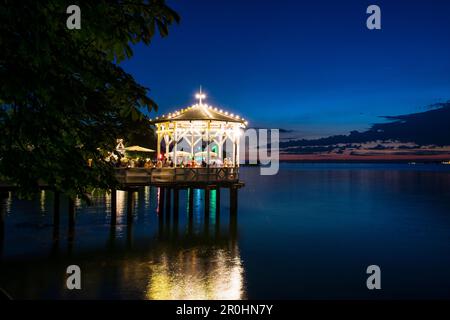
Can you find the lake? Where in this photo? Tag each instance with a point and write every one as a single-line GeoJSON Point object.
{"type": "Point", "coordinates": [308, 232]}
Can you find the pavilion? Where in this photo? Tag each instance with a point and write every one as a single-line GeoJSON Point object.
{"type": "Point", "coordinates": [196, 125]}
{"type": "Point", "coordinates": [191, 127]}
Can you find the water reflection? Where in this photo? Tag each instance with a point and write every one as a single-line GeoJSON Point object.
{"type": "Point", "coordinates": [159, 255]}
{"type": "Point", "coordinates": [42, 202]}
{"type": "Point", "coordinates": [296, 224]}
{"type": "Point", "coordinates": [189, 277]}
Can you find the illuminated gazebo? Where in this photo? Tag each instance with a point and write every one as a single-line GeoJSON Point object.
{"type": "Point", "coordinates": [195, 125]}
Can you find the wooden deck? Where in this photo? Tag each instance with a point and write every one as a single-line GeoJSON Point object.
{"type": "Point", "coordinates": [169, 181]}
{"type": "Point", "coordinates": [168, 177]}
{"type": "Point", "coordinates": [180, 177]}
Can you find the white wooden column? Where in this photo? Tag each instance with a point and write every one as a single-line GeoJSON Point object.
{"type": "Point", "coordinates": [175, 145]}
{"type": "Point", "coordinates": [219, 146]}
{"type": "Point", "coordinates": [158, 146]}
{"type": "Point", "coordinates": [192, 142]}
{"type": "Point", "coordinates": [208, 153]}
{"type": "Point", "coordinates": [233, 154]}
{"type": "Point", "coordinates": [237, 150]}
{"type": "Point", "coordinates": [167, 141]}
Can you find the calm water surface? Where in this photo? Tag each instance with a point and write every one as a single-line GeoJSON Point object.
{"type": "Point", "coordinates": [308, 232]}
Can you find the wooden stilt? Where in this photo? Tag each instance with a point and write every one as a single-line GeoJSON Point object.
{"type": "Point", "coordinates": [233, 212]}
{"type": "Point", "coordinates": [168, 203]}
{"type": "Point", "coordinates": [130, 205]}
{"type": "Point", "coordinates": [233, 200]}
{"type": "Point", "coordinates": [162, 192]}
{"type": "Point", "coordinates": [176, 196]}
{"type": "Point", "coordinates": [218, 201]}
{"type": "Point", "coordinates": [191, 211]}
{"type": "Point", "coordinates": [161, 212]}
{"type": "Point", "coordinates": [217, 211]}
{"type": "Point", "coordinates": [207, 209]}
{"type": "Point", "coordinates": [191, 202]}
{"type": "Point", "coordinates": [113, 206]}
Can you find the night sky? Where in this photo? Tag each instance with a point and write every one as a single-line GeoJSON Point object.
{"type": "Point", "coordinates": [308, 66]}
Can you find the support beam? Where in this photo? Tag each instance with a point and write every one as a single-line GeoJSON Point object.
{"type": "Point", "coordinates": [233, 213]}
{"type": "Point", "coordinates": [207, 202]}
{"type": "Point", "coordinates": [176, 196]}
{"type": "Point", "coordinates": [233, 200]}
{"type": "Point", "coordinates": [168, 204]}
{"type": "Point", "coordinates": [207, 209]}
{"type": "Point", "coordinates": [162, 192]}
{"type": "Point", "coordinates": [176, 193]}
{"type": "Point", "coordinates": [218, 212]}
{"type": "Point", "coordinates": [191, 202]}
{"type": "Point", "coordinates": [130, 205]}
{"type": "Point", "coordinates": [161, 211]}
{"type": "Point", "coordinates": [218, 201]}
{"type": "Point", "coordinates": [113, 206]}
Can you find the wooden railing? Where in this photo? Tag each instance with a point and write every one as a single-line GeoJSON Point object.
{"type": "Point", "coordinates": [177, 175]}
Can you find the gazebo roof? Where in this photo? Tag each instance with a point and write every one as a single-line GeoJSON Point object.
{"type": "Point", "coordinates": [200, 112]}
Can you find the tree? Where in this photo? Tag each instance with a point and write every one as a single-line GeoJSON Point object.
{"type": "Point", "coordinates": [64, 98]}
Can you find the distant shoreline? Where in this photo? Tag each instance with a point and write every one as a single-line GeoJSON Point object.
{"type": "Point", "coordinates": [366, 158]}
{"type": "Point", "coordinates": [425, 159]}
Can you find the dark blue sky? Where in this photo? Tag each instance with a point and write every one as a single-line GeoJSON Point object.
{"type": "Point", "coordinates": [311, 66]}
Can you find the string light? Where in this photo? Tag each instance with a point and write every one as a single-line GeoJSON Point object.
{"type": "Point", "coordinates": [201, 96]}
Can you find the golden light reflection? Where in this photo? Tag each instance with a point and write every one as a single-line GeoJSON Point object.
{"type": "Point", "coordinates": [187, 276]}
{"type": "Point", "coordinates": [147, 197]}
{"type": "Point", "coordinates": [108, 201]}
{"type": "Point", "coordinates": [42, 202]}
{"type": "Point", "coordinates": [121, 202]}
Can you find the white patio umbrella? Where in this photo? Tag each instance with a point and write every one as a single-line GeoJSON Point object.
{"type": "Point", "coordinates": [180, 154]}
{"type": "Point", "coordinates": [138, 149]}
{"type": "Point", "coordinates": [204, 154]}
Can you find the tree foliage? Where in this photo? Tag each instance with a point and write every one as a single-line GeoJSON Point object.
{"type": "Point", "coordinates": [64, 98]}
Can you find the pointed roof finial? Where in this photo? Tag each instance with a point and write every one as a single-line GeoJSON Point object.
{"type": "Point", "coordinates": [200, 96]}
